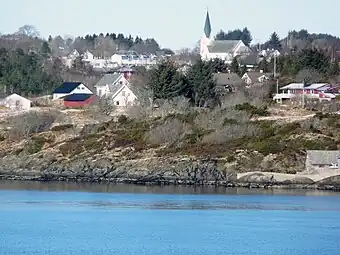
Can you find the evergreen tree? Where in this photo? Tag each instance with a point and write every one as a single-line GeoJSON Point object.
{"type": "Point", "coordinates": [243, 70]}
{"type": "Point", "coordinates": [246, 36]}
{"type": "Point", "coordinates": [263, 65]}
{"type": "Point", "coordinates": [234, 66]}
{"type": "Point", "coordinates": [45, 50]}
{"type": "Point", "coordinates": [334, 69]}
{"type": "Point", "coordinates": [166, 82]}
{"type": "Point", "coordinates": [274, 42]}
{"type": "Point", "coordinates": [202, 84]}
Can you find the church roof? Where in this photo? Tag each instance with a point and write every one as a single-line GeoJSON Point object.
{"type": "Point", "coordinates": [207, 26]}
{"type": "Point", "coordinates": [225, 46]}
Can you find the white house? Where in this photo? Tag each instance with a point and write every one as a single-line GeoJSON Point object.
{"type": "Point", "coordinates": [256, 77]}
{"type": "Point", "coordinates": [132, 59]}
{"type": "Point", "coordinates": [222, 49]}
{"type": "Point", "coordinates": [88, 56]}
{"type": "Point", "coordinates": [17, 102]}
{"type": "Point", "coordinates": [117, 88]}
{"type": "Point", "coordinates": [74, 54]}
{"type": "Point", "coordinates": [68, 88]}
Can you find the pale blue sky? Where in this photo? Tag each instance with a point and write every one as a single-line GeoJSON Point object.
{"type": "Point", "coordinates": [176, 23]}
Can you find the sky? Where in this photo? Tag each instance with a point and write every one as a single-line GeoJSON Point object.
{"type": "Point", "coordinates": [174, 24]}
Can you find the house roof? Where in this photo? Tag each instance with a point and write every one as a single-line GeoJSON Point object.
{"type": "Point", "coordinates": [108, 79]}
{"type": "Point", "coordinates": [66, 87]}
{"type": "Point", "coordinates": [16, 96]}
{"type": "Point", "coordinates": [228, 79]}
{"type": "Point", "coordinates": [293, 86]}
{"type": "Point", "coordinates": [223, 46]}
{"type": "Point", "coordinates": [319, 157]}
{"type": "Point", "coordinates": [251, 59]}
{"type": "Point", "coordinates": [77, 97]}
{"type": "Point", "coordinates": [317, 86]}
{"type": "Point", "coordinates": [255, 75]}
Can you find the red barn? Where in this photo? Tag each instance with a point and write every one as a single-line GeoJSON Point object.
{"type": "Point", "coordinates": [78, 100]}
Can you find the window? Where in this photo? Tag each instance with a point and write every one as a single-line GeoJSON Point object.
{"type": "Point", "coordinates": [123, 93]}
{"type": "Point", "coordinates": [117, 102]}
{"type": "Point", "coordinates": [121, 82]}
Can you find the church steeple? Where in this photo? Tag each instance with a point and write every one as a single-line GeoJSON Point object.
{"type": "Point", "coordinates": [207, 26]}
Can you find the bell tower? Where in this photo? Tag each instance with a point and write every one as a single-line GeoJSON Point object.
{"type": "Point", "coordinates": [206, 40]}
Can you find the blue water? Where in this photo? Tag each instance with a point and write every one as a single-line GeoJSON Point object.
{"type": "Point", "coordinates": [81, 223]}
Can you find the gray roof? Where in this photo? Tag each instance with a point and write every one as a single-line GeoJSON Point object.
{"type": "Point", "coordinates": [255, 75]}
{"type": "Point", "coordinates": [223, 46]}
{"type": "Point", "coordinates": [251, 59]}
{"type": "Point", "coordinates": [108, 79]}
{"type": "Point", "coordinates": [228, 79]}
{"type": "Point", "coordinates": [320, 157]}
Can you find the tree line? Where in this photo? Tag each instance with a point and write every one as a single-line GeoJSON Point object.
{"type": "Point", "coordinates": [295, 39]}
{"type": "Point", "coordinates": [23, 73]}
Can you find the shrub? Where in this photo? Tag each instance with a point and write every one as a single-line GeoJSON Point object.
{"type": "Point", "coordinates": [31, 123]}
{"type": "Point", "coordinates": [231, 132]}
{"type": "Point", "coordinates": [62, 127]}
{"type": "Point", "coordinates": [252, 110]}
{"type": "Point", "coordinates": [122, 119]}
{"type": "Point", "coordinates": [35, 144]}
{"type": "Point", "coordinates": [166, 133]}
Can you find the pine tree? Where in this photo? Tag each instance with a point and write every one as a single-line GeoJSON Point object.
{"type": "Point", "coordinates": [246, 36]}
{"type": "Point", "coordinates": [274, 42]}
{"type": "Point", "coordinates": [202, 84]}
{"type": "Point", "coordinates": [45, 50]}
{"type": "Point", "coordinates": [234, 66]}
{"type": "Point", "coordinates": [166, 82]}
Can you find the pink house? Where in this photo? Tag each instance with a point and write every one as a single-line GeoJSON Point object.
{"type": "Point", "coordinates": [315, 90]}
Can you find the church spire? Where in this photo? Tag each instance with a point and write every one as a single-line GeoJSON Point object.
{"type": "Point", "coordinates": [207, 26]}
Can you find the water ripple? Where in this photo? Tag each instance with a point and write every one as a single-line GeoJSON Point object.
{"type": "Point", "coordinates": [166, 205]}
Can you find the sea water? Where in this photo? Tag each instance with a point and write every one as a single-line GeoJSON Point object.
{"type": "Point", "coordinates": [35, 221]}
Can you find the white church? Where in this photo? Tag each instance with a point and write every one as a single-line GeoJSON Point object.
{"type": "Point", "coordinates": [222, 49]}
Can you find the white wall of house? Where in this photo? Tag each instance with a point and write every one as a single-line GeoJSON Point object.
{"type": "Point", "coordinates": [124, 97]}
{"type": "Point", "coordinates": [102, 91]}
{"type": "Point", "coordinates": [88, 56]}
{"type": "Point", "coordinates": [16, 102]}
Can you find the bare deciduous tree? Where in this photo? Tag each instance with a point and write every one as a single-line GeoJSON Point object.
{"type": "Point", "coordinates": [28, 30]}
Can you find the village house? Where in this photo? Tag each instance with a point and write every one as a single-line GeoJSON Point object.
{"type": "Point", "coordinates": [78, 100]}
{"type": "Point", "coordinates": [317, 160]}
{"type": "Point", "coordinates": [17, 102]}
{"type": "Point", "coordinates": [321, 91]}
{"type": "Point", "coordinates": [117, 88]}
{"type": "Point", "coordinates": [228, 82]}
{"type": "Point", "coordinates": [68, 88]}
{"type": "Point", "coordinates": [256, 77]}
{"type": "Point", "coordinates": [222, 49]}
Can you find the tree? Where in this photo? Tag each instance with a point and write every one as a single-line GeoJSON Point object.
{"type": "Point", "coordinates": [218, 66]}
{"type": "Point", "coordinates": [28, 30]}
{"type": "Point", "coordinates": [202, 86]}
{"type": "Point", "coordinates": [274, 42]}
{"type": "Point", "coordinates": [166, 82]}
{"type": "Point", "coordinates": [45, 50]}
{"type": "Point", "coordinates": [308, 76]}
{"type": "Point", "coordinates": [263, 65]}
{"type": "Point", "coordinates": [243, 70]}
{"type": "Point", "coordinates": [246, 36]}
{"type": "Point", "coordinates": [234, 66]}
{"type": "Point", "coordinates": [334, 69]}
{"type": "Point", "coordinates": [236, 34]}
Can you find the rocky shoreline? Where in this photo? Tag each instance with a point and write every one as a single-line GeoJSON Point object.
{"type": "Point", "coordinates": [162, 182]}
